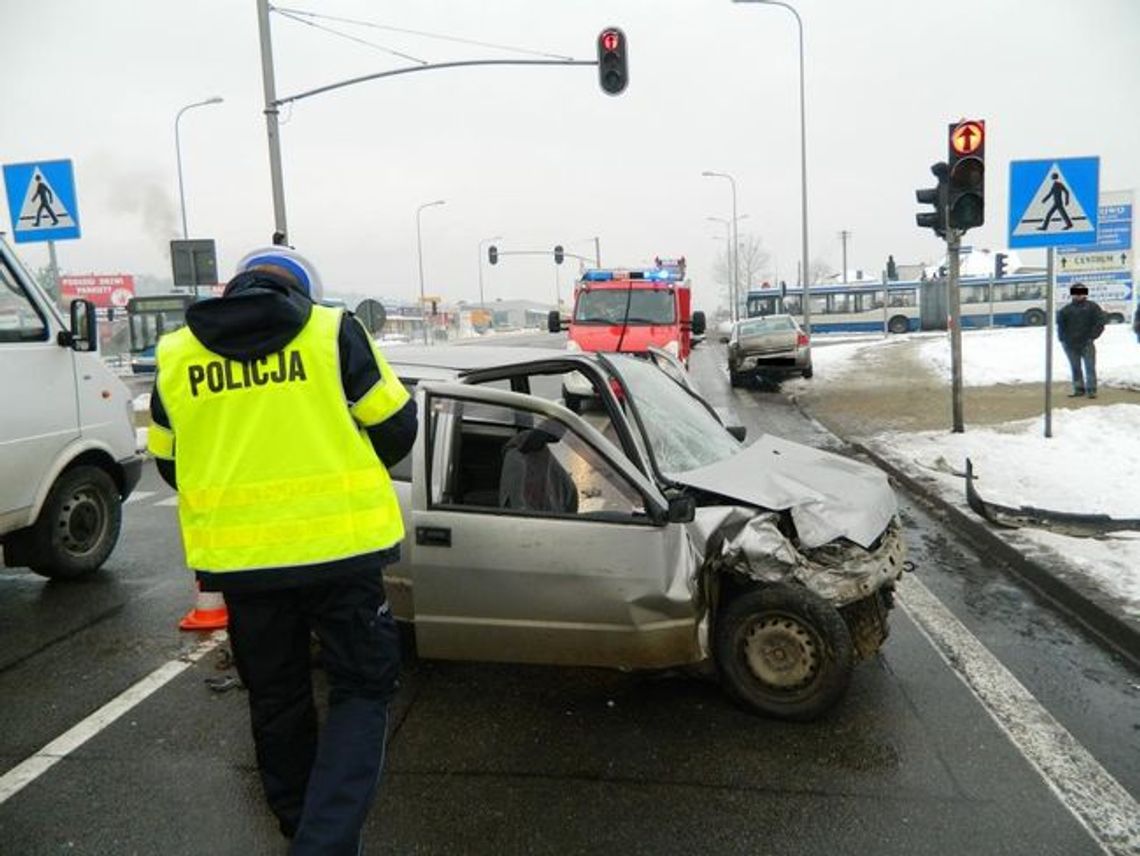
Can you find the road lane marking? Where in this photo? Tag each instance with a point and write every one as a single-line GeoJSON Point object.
{"type": "Point", "coordinates": [139, 496]}
{"type": "Point", "coordinates": [169, 501]}
{"type": "Point", "coordinates": [1100, 803]}
{"type": "Point", "coordinates": [30, 769]}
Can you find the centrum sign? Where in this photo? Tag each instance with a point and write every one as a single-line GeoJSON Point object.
{"type": "Point", "coordinates": [104, 291]}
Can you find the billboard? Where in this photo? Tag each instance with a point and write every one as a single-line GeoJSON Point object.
{"type": "Point", "coordinates": [102, 290]}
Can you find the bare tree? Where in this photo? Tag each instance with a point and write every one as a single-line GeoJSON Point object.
{"type": "Point", "coordinates": [819, 270]}
{"type": "Point", "coordinates": [753, 261]}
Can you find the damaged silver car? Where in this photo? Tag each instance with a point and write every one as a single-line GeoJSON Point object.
{"type": "Point", "coordinates": [637, 534]}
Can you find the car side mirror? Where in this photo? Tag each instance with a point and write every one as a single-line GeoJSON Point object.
{"type": "Point", "coordinates": [737, 431]}
{"type": "Point", "coordinates": [84, 333]}
{"type": "Point", "coordinates": [682, 509]}
{"type": "Point", "coordinates": [699, 325]}
{"type": "Point", "coordinates": [554, 322]}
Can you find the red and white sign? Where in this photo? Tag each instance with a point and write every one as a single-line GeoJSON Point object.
{"type": "Point", "coordinates": [103, 291]}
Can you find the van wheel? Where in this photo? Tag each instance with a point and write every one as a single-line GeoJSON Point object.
{"type": "Point", "coordinates": [808, 373]}
{"type": "Point", "coordinates": [77, 527]}
{"type": "Point", "coordinates": [898, 324]}
{"type": "Point", "coordinates": [784, 651]}
{"type": "Point", "coordinates": [1034, 318]}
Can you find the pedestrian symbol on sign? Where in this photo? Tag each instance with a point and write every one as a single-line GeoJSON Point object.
{"type": "Point", "coordinates": [1052, 200]}
{"type": "Point", "coordinates": [40, 202]}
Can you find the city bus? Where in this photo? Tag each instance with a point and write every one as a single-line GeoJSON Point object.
{"type": "Point", "coordinates": [861, 307]}
{"type": "Point", "coordinates": [149, 317]}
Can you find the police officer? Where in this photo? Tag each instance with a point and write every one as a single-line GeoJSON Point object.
{"type": "Point", "coordinates": [276, 419]}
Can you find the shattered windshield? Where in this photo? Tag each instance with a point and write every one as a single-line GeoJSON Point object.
{"type": "Point", "coordinates": [682, 434]}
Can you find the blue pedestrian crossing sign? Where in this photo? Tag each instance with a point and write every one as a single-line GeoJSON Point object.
{"type": "Point", "coordinates": [41, 201]}
{"type": "Point", "coordinates": [1053, 202]}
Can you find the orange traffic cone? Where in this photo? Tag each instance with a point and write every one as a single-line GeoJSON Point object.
{"type": "Point", "coordinates": [209, 612]}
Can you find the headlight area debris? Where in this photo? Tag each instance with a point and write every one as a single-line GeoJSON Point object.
{"type": "Point", "coordinates": [749, 541]}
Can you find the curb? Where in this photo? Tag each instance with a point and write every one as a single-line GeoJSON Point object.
{"type": "Point", "coordinates": [1073, 594]}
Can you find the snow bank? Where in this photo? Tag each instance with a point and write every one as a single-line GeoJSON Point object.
{"type": "Point", "coordinates": [1090, 465]}
{"type": "Point", "coordinates": [1017, 355]}
{"type": "Point", "coordinates": [142, 403]}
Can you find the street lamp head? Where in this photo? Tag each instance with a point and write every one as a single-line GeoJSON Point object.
{"type": "Point", "coordinates": [708, 174]}
{"type": "Point", "coordinates": [217, 99]}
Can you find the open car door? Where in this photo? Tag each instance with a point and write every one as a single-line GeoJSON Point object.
{"type": "Point", "coordinates": [535, 539]}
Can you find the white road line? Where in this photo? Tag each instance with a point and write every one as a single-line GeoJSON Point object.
{"type": "Point", "coordinates": [1099, 802]}
{"type": "Point", "coordinates": [169, 501]}
{"type": "Point", "coordinates": [139, 496]}
{"type": "Point", "coordinates": [27, 771]}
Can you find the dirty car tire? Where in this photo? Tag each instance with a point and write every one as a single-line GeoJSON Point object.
{"type": "Point", "coordinates": [784, 651]}
{"type": "Point", "coordinates": [77, 527]}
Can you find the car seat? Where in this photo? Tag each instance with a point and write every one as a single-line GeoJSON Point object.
{"type": "Point", "coordinates": [532, 479]}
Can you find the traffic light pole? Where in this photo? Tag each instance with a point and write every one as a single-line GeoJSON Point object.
{"type": "Point", "coordinates": [953, 248]}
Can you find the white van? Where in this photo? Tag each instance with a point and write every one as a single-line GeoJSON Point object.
{"type": "Point", "coordinates": [67, 441]}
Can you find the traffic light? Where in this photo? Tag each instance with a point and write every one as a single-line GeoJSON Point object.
{"type": "Point", "coordinates": [1000, 265]}
{"type": "Point", "coordinates": [612, 71]}
{"type": "Point", "coordinates": [559, 254]}
{"type": "Point", "coordinates": [936, 196]}
{"type": "Point", "coordinates": [493, 254]}
{"type": "Point", "coordinates": [966, 208]}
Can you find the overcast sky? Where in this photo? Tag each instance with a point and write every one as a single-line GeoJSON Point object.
{"type": "Point", "coordinates": [540, 155]}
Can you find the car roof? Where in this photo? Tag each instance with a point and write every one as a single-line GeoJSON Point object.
{"type": "Point", "coordinates": [447, 360]}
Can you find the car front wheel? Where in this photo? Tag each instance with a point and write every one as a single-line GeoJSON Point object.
{"type": "Point", "coordinates": [784, 652]}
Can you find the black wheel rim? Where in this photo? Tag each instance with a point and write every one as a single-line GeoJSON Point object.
{"type": "Point", "coordinates": [82, 520]}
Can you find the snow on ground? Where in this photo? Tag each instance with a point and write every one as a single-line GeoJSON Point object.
{"type": "Point", "coordinates": [989, 357]}
{"type": "Point", "coordinates": [1090, 465]}
{"type": "Point", "coordinates": [1017, 355]}
{"type": "Point", "coordinates": [141, 435]}
{"type": "Point", "coordinates": [142, 403]}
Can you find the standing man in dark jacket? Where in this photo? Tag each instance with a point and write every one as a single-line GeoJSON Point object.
{"type": "Point", "coordinates": [1079, 324]}
{"type": "Point", "coordinates": [276, 419]}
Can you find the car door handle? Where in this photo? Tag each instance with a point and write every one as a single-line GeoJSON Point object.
{"type": "Point", "coordinates": [433, 536]}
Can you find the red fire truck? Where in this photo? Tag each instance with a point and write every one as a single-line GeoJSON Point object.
{"type": "Point", "coordinates": [619, 310]}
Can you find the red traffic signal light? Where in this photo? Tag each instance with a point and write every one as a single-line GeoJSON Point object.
{"type": "Point", "coordinates": [613, 72]}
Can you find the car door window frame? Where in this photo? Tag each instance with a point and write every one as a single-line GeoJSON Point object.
{"type": "Point", "coordinates": [656, 507]}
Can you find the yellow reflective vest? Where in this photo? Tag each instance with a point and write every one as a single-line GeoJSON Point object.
{"type": "Point", "coordinates": [274, 467]}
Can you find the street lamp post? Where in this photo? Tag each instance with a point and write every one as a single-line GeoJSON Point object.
{"type": "Point", "coordinates": [217, 99]}
{"type": "Point", "coordinates": [735, 245]}
{"type": "Point", "coordinates": [420, 253]}
{"type": "Point", "coordinates": [482, 243]}
{"type": "Point", "coordinates": [803, 159]}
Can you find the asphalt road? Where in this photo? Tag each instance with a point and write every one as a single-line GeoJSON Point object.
{"type": "Point", "coordinates": [507, 759]}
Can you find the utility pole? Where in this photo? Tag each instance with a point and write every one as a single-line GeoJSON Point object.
{"type": "Point", "coordinates": [269, 85]}
{"type": "Point", "coordinates": [844, 235]}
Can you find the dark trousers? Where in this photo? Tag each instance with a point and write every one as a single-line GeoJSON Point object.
{"type": "Point", "coordinates": [320, 789]}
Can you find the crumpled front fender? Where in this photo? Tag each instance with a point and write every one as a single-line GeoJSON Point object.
{"type": "Point", "coordinates": [748, 541]}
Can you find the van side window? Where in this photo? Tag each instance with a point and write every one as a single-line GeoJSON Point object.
{"type": "Point", "coordinates": [19, 319]}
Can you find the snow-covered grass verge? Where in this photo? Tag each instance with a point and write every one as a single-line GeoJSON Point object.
{"type": "Point", "coordinates": [1017, 355]}
{"type": "Point", "coordinates": [1090, 465]}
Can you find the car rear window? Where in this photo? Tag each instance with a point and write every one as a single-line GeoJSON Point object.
{"type": "Point", "coordinates": [766, 325]}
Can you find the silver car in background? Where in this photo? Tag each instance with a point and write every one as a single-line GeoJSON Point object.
{"type": "Point", "coordinates": [772, 345]}
{"type": "Point", "coordinates": [637, 534]}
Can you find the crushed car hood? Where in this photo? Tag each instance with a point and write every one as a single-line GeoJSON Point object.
{"type": "Point", "coordinates": [829, 496]}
